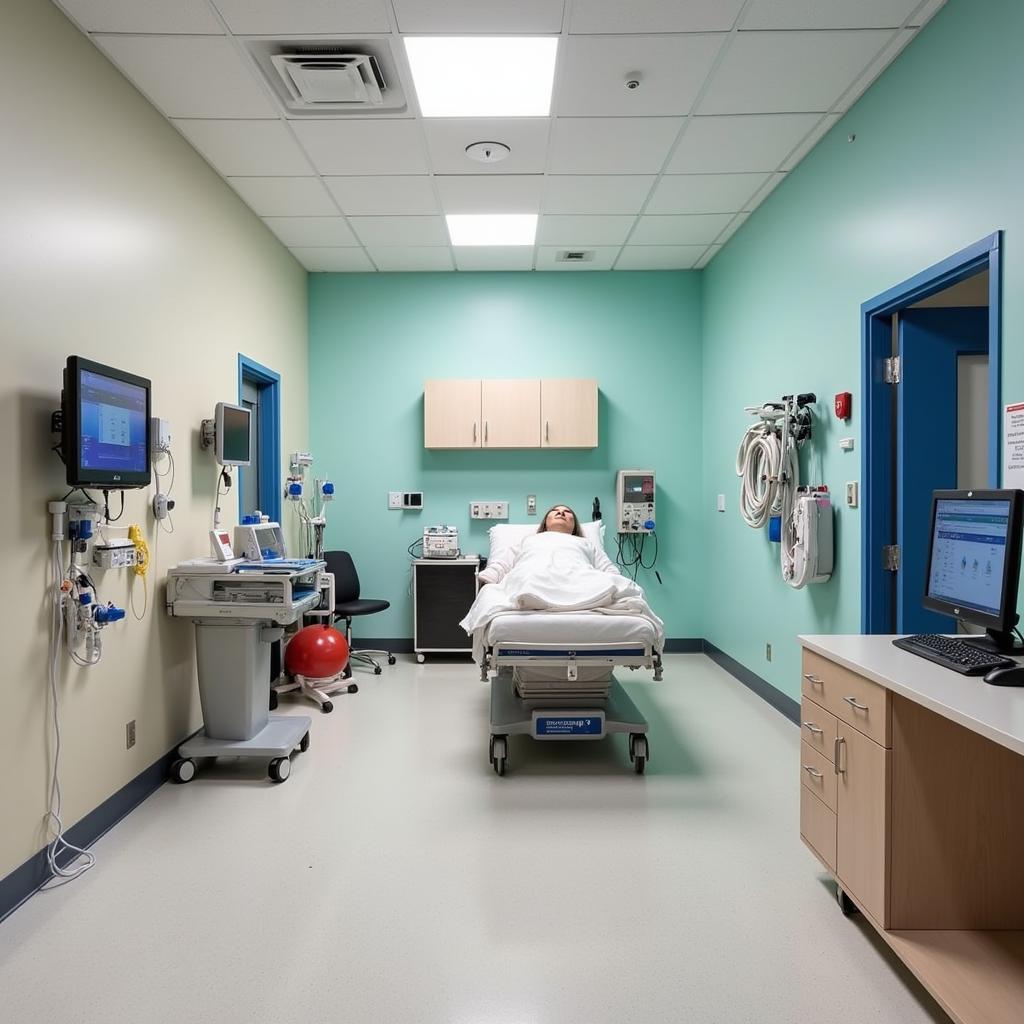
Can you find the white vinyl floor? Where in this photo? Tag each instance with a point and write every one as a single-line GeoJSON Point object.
{"type": "Point", "coordinates": [395, 878]}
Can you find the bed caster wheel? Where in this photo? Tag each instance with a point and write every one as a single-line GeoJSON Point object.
{"type": "Point", "coordinates": [499, 754]}
{"type": "Point", "coordinates": [279, 770]}
{"type": "Point", "coordinates": [376, 670]}
{"type": "Point", "coordinates": [304, 743]}
{"type": "Point", "coordinates": [273, 700]}
{"type": "Point", "coordinates": [183, 770]}
{"type": "Point", "coordinates": [421, 658]}
{"type": "Point", "coordinates": [639, 752]}
{"type": "Point", "coordinates": [327, 707]}
{"type": "Point", "coordinates": [352, 688]}
{"type": "Point", "coordinates": [392, 659]}
{"type": "Point", "coordinates": [846, 905]}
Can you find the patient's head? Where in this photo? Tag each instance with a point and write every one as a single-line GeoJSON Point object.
{"type": "Point", "coordinates": [560, 519]}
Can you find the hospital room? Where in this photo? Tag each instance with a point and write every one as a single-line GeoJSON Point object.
{"type": "Point", "coordinates": [519, 511]}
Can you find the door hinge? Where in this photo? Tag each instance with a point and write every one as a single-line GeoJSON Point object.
{"type": "Point", "coordinates": [891, 370]}
{"type": "Point", "coordinates": [891, 557]}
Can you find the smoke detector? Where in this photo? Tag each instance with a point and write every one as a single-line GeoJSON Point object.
{"type": "Point", "coordinates": [488, 152]}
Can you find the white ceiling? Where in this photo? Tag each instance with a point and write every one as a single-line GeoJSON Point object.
{"type": "Point", "coordinates": [732, 95]}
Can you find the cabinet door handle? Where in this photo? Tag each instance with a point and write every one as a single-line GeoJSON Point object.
{"type": "Point", "coordinates": [852, 701]}
{"type": "Point", "coordinates": [547, 431]}
{"type": "Point", "coordinates": [811, 727]}
{"type": "Point", "coordinates": [485, 431]}
{"type": "Point", "coordinates": [813, 679]}
{"type": "Point", "coordinates": [811, 770]}
{"type": "Point", "coordinates": [474, 431]}
{"type": "Point", "coordinates": [837, 751]}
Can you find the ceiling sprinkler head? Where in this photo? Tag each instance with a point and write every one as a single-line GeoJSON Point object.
{"type": "Point", "coordinates": [487, 152]}
{"type": "Point", "coordinates": [633, 80]}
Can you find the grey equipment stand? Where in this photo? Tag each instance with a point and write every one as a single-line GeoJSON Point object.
{"type": "Point", "coordinates": [578, 718]}
{"type": "Point", "coordinates": [233, 657]}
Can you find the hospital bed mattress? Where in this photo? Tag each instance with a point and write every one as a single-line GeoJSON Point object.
{"type": "Point", "coordinates": [568, 627]}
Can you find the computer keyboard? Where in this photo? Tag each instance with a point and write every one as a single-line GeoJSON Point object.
{"type": "Point", "coordinates": [955, 654]}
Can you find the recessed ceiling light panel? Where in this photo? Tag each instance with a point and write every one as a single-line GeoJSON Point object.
{"type": "Point", "coordinates": [482, 76]}
{"type": "Point", "coordinates": [492, 228]}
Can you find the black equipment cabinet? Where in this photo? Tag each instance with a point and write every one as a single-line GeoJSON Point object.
{"type": "Point", "coordinates": [442, 591]}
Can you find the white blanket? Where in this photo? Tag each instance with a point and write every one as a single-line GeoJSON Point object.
{"type": "Point", "coordinates": [556, 572]}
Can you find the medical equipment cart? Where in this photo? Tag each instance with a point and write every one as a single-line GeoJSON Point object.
{"type": "Point", "coordinates": [238, 614]}
{"type": "Point", "coordinates": [442, 591]}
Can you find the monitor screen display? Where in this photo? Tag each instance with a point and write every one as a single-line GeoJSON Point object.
{"type": "Point", "coordinates": [638, 489]}
{"type": "Point", "coordinates": [969, 553]}
{"type": "Point", "coordinates": [235, 445]}
{"type": "Point", "coordinates": [113, 425]}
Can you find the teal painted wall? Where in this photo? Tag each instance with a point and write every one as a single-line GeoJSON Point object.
{"type": "Point", "coordinates": [374, 339]}
{"type": "Point", "coordinates": [936, 165]}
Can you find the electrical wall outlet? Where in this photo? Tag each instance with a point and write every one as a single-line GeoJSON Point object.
{"type": "Point", "coordinates": [394, 499]}
{"type": "Point", "coordinates": [768, 652]}
{"type": "Point", "coordinates": [488, 510]}
{"type": "Point", "coordinates": [852, 494]}
{"type": "Point", "coordinates": [531, 504]}
{"type": "Point", "coordinates": [129, 735]}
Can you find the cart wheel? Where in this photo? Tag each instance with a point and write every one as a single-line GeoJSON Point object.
{"type": "Point", "coordinates": [640, 752]}
{"type": "Point", "coordinates": [421, 658]}
{"type": "Point", "coordinates": [632, 744]}
{"type": "Point", "coordinates": [376, 670]}
{"type": "Point", "coordinates": [391, 659]}
{"type": "Point", "coordinates": [183, 770]}
{"type": "Point", "coordinates": [639, 764]}
{"type": "Point", "coordinates": [273, 700]}
{"type": "Point", "coordinates": [327, 707]}
{"type": "Point", "coordinates": [846, 905]}
{"type": "Point", "coordinates": [279, 769]}
{"type": "Point", "coordinates": [304, 743]}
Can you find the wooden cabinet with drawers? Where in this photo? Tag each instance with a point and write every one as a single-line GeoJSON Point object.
{"type": "Point", "coordinates": [846, 727]}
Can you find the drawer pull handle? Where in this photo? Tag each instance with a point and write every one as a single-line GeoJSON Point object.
{"type": "Point", "coordinates": [852, 701]}
{"type": "Point", "coordinates": [813, 679]}
{"type": "Point", "coordinates": [811, 770]}
{"type": "Point", "coordinates": [811, 727]}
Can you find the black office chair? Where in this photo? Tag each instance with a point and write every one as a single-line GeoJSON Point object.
{"type": "Point", "coordinates": [348, 604]}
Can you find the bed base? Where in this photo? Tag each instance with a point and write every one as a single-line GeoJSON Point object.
{"type": "Point", "coordinates": [587, 708]}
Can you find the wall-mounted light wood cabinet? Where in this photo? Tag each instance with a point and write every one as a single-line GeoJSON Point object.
{"type": "Point", "coordinates": [510, 414]}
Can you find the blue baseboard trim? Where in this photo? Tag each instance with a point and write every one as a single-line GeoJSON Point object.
{"type": "Point", "coordinates": [771, 694]}
{"type": "Point", "coordinates": [26, 880]}
{"type": "Point", "coordinates": [684, 645]}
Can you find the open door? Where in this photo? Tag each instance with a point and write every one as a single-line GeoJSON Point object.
{"type": "Point", "coordinates": [931, 344]}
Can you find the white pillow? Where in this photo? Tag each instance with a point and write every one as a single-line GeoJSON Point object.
{"type": "Point", "coordinates": [509, 535]}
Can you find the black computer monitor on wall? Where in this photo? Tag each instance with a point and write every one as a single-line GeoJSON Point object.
{"type": "Point", "coordinates": [974, 561]}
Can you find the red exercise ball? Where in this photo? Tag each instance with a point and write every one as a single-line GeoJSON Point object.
{"type": "Point", "coordinates": [316, 652]}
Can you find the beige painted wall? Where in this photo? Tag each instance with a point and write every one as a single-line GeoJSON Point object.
{"type": "Point", "coordinates": [117, 242]}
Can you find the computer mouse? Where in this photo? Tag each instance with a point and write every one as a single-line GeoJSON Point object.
{"type": "Point", "coordinates": [1006, 675]}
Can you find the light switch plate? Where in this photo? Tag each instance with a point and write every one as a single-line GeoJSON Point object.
{"type": "Point", "coordinates": [721, 503]}
{"type": "Point", "coordinates": [852, 494]}
{"type": "Point", "coordinates": [394, 499]}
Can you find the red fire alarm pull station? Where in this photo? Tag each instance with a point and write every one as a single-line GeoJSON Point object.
{"type": "Point", "coordinates": [844, 404]}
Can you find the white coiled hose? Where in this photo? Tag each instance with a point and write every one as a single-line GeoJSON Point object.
{"type": "Point", "coordinates": [758, 465]}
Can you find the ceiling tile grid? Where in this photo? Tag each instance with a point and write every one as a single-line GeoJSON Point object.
{"type": "Point", "coordinates": [670, 122]}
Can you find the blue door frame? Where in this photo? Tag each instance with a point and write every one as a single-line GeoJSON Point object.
{"type": "Point", "coordinates": [876, 451]}
{"type": "Point", "coordinates": [269, 384]}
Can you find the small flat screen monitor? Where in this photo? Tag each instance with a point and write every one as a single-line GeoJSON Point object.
{"type": "Point", "coordinates": [106, 426]}
{"type": "Point", "coordinates": [974, 560]}
{"type": "Point", "coordinates": [233, 427]}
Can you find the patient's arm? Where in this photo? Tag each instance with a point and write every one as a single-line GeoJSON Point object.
{"type": "Point", "coordinates": [499, 567]}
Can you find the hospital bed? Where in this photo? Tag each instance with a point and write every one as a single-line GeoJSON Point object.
{"type": "Point", "coordinates": [551, 676]}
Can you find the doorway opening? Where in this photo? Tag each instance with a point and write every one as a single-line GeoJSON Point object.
{"type": "Point", "coordinates": [931, 385]}
{"type": "Point", "coordinates": [259, 485]}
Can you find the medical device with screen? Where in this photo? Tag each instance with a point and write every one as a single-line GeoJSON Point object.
{"type": "Point", "coordinates": [974, 561]}
{"type": "Point", "coordinates": [233, 427]}
{"type": "Point", "coordinates": [105, 424]}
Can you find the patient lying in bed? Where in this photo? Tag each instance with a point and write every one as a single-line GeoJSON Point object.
{"type": "Point", "coordinates": [556, 570]}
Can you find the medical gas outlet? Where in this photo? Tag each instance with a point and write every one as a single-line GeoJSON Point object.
{"type": "Point", "coordinates": [488, 510]}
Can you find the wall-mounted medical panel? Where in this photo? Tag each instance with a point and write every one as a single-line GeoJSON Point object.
{"type": "Point", "coordinates": [510, 414]}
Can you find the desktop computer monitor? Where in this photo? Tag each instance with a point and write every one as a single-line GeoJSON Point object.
{"type": "Point", "coordinates": [974, 561]}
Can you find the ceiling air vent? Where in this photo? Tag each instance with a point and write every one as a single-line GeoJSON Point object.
{"type": "Point", "coordinates": [574, 256]}
{"type": "Point", "coordinates": [318, 78]}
